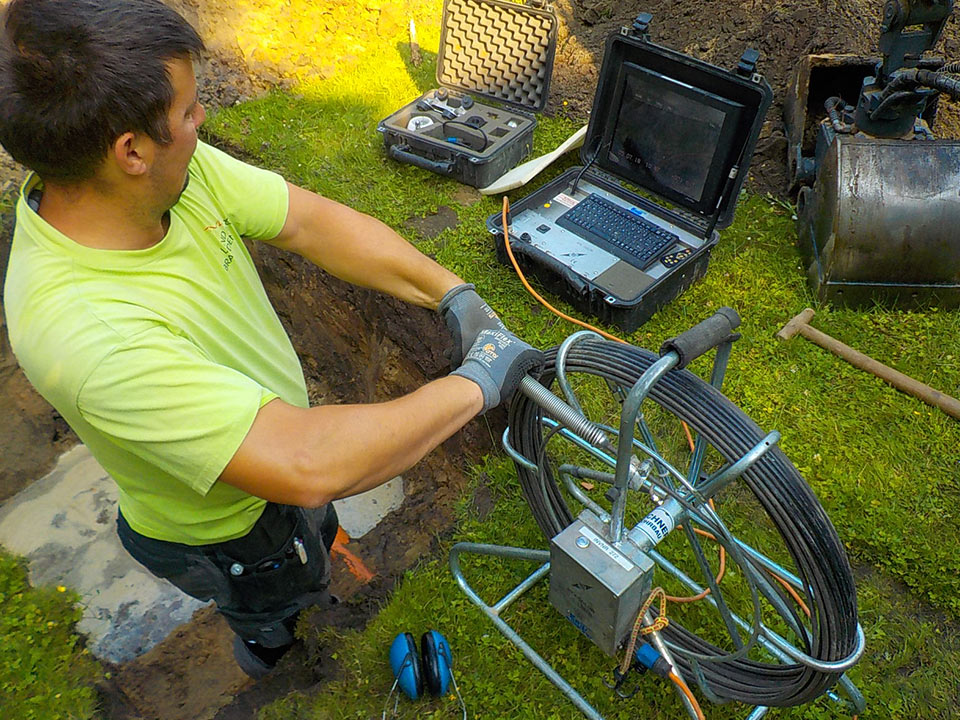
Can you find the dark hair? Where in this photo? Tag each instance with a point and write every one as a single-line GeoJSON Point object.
{"type": "Point", "coordinates": [77, 74]}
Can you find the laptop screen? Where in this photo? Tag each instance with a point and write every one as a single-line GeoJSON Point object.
{"type": "Point", "coordinates": [670, 137]}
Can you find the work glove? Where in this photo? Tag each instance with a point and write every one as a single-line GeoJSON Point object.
{"type": "Point", "coordinates": [497, 362]}
{"type": "Point", "coordinates": [466, 314]}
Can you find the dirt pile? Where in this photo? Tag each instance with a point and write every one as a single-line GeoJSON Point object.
{"type": "Point", "coordinates": [718, 31]}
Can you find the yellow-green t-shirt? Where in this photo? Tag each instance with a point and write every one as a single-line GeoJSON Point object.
{"type": "Point", "coordinates": [159, 359]}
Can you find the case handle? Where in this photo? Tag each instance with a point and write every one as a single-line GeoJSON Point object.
{"type": "Point", "coordinates": [442, 167]}
{"type": "Point", "coordinates": [703, 336]}
{"type": "Point", "coordinates": [641, 26]}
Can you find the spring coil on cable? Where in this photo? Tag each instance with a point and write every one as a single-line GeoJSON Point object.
{"type": "Point", "coordinates": [567, 417]}
{"type": "Point", "coordinates": [807, 534]}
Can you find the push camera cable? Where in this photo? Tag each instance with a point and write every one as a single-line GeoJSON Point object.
{"type": "Point", "coordinates": [806, 531]}
{"type": "Point", "coordinates": [791, 505]}
{"type": "Point", "coordinates": [722, 550]}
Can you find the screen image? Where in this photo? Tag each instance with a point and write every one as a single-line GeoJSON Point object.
{"type": "Point", "coordinates": [668, 135]}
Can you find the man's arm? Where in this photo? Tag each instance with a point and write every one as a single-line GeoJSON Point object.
{"type": "Point", "coordinates": [309, 457]}
{"type": "Point", "coordinates": [361, 250]}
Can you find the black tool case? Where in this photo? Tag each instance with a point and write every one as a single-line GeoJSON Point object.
{"type": "Point", "coordinates": [493, 72]}
{"type": "Point", "coordinates": [672, 136]}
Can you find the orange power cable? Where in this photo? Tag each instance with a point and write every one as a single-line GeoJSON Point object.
{"type": "Point", "coordinates": [523, 279]}
{"type": "Point", "coordinates": [689, 695]}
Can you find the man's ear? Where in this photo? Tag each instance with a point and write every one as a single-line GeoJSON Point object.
{"type": "Point", "coordinates": [133, 153]}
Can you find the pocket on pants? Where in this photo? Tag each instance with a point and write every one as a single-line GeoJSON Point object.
{"type": "Point", "coordinates": [276, 580]}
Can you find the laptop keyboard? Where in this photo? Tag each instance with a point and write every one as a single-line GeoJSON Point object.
{"type": "Point", "coordinates": [617, 230]}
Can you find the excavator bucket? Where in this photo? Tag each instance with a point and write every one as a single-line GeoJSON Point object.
{"type": "Point", "coordinates": [876, 218]}
{"type": "Point", "coordinates": [880, 223]}
{"type": "Point", "coordinates": [817, 78]}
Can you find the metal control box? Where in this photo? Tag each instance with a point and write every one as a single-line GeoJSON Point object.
{"type": "Point", "coordinates": [596, 586]}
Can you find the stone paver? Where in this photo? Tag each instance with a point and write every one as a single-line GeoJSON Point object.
{"type": "Point", "coordinates": [65, 525]}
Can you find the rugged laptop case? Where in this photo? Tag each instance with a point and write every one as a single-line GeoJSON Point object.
{"type": "Point", "coordinates": [493, 72]}
{"type": "Point", "coordinates": [630, 52]}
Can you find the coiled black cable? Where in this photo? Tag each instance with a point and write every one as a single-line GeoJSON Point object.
{"type": "Point", "coordinates": [805, 529]}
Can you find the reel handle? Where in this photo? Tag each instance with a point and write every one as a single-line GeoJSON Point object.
{"type": "Point", "coordinates": [703, 336]}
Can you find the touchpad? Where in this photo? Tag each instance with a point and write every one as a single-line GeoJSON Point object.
{"type": "Point", "coordinates": [624, 281]}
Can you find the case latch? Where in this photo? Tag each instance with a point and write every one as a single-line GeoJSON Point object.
{"type": "Point", "coordinates": [640, 28]}
{"type": "Point", "coordinates": [747, 66]}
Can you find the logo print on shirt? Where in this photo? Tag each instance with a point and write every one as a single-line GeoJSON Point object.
{"type": "Point", "coordinates": [225, 238]}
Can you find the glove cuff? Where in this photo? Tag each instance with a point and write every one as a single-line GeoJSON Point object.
{"type": "Point", "coordinates": [489, 389]}
{"type": "Point", "coordinates": [448, 297]}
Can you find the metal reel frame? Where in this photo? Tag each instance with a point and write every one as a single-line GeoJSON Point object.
{"type": "Point", "coordinates": [684, 501]}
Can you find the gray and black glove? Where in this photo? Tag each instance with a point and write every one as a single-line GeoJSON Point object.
{"type": "Point", "coordinates": [466, 314]}
{"type": "Point", "coordinates": [497, 362]}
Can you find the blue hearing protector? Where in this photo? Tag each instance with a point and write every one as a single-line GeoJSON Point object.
{"type": "Point", "coordinates": [430, 669]}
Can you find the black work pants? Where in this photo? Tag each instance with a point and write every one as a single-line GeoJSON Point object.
{"type": "Point", "coordinates": [260, 581]}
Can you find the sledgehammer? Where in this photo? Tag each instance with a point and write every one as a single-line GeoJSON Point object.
{"type": "Point", "coordinates": [801, 324]}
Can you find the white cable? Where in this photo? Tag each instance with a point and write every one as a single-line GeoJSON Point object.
{"type": "Point", "coordinates": [396, 703]}
{"type": "Point", "coordinates": [459, 696]}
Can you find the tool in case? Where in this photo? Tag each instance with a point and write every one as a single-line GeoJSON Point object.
{"type": "Point", "coordinates": [493, 72]}
{"type": "Point", "coordinates": [667, 150]}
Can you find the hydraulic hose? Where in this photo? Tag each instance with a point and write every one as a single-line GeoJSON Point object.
{"type": "Point", "coordinates": [831, 105]}
{"type": "Point", "coordinates": [940, 81]}
{"type": "Point", "coordinates": [910, 78]}
{"type": "Point", "coordinates": [809, 537]}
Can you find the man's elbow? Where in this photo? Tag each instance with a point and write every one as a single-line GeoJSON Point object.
{"type": "Point", "coordinates": [312, 485]}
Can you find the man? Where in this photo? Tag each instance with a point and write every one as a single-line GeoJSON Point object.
{"type": "Point", "coordinates": [134, 308]}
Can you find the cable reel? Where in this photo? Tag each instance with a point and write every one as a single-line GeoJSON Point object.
{"type": "Point", "coordinates": [624, 502]}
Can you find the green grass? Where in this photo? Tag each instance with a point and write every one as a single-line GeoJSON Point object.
{"type": "Point", "coordinates": [44, 670]}
{"type": "Point", "coordinates": [883, 464]}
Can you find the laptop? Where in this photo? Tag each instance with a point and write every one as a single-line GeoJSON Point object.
{"type": "Point", "coordinates": [665, 157]}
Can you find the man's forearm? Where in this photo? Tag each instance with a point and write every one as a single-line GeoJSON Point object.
{"type": "Point", "coordinates": [362, 250]}
{"type": "Point", "coordinates": [310, 456]}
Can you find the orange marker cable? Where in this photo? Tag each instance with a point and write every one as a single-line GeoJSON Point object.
{"type": "Point", "coordinates": [354, 564]}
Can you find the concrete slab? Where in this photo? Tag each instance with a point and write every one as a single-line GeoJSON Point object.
{"type": "Point", "coordinates": [65, 525]}
{"type": "Point", "coordinates": [362, 513]}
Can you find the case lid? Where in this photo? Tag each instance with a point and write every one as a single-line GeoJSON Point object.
{"type": "Point", "coordinates": [497, 49]}
{"type": "Point", "coordinates": [675, 126]}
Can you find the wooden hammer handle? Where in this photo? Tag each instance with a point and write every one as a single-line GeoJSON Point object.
{"type": "Point", "coordinates": [950, 405]}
